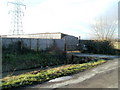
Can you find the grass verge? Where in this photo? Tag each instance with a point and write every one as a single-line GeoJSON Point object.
{"type": "Point", "coordinates": [45, 75]}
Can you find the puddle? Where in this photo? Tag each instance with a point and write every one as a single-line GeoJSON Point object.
{"type": "Point", "coordinates": [61, 79]}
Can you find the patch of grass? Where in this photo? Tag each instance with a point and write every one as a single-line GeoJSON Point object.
{"type": "Point", "coordinates": [45, 75]}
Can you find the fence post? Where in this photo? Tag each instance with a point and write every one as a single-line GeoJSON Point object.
{"type": "Point", "coordinates": [11, 41]}
{"type": "Point", "coordinates": [65, 45]}
{"type": "Point", "coordinates": [54, 45]}
{"type": "Point", "coordinates": [37, 44]}
{"type": "Point", "coordinates": [30, 43]}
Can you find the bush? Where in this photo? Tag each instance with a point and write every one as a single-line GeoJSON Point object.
{"type": "Point", "coordinates": [100, 47]}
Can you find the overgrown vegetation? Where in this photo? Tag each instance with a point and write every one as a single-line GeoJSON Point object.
{"type": "Point", "coordinates": [45, 75]}
{"type": "Point", "coordinates": [30, 60]}
{"type": "Point", "coordinates": [16, 56]}
{"type": "Point", "coordinates": [100, 47]}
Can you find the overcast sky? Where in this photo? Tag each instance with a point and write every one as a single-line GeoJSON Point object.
{"type": "Point", "coordinates": [67, 16]}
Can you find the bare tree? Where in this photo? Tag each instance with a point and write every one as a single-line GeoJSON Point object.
{"type": "Point", "coordinates": [104, 29]}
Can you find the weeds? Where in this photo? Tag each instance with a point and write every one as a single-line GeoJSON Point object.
{"type": "Point", "coordinates": [30, 60]}
{"type": "Point", "coordinates": [17, 56]}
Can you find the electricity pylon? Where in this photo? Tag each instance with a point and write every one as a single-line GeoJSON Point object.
{"type": "Point", "coordinates": [16, 16]}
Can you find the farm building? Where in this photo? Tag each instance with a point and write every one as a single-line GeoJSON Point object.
{"type": "Point", "coordinates": [70, 42]}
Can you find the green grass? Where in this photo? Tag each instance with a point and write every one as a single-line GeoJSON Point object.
{"type": "Point", "coordinates": [45, 75]}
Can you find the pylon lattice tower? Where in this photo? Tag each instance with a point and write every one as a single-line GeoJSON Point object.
{"type": "Point", "coordinates": [16, 17]}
